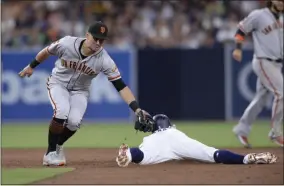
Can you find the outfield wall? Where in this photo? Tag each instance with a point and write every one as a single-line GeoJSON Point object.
{"type": "Point", "coordinates": [203, 84]}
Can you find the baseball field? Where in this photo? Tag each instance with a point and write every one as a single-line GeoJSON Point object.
{"type": "Point", "coordinates": [91, 157]}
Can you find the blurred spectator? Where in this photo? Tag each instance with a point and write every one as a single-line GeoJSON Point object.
{"type": "Point", "coordinates": [168, 23]}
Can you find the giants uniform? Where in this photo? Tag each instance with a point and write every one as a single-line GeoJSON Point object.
{"type": "Point", "coordinates": [267, 32]}
{"type": "Point", "coordinates": [68, 85]}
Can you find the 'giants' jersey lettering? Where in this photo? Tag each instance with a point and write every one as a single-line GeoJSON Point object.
{"type": "Point", "coordinates": [267, 33]}
{"type": "Point", "coordinates": [274, 26]}
{"type": "Point", "coordinates": [81, 68]}
{"type": "Point", "coordinates": [75, 73]}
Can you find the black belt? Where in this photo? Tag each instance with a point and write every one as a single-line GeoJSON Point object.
{"type": "Point", "coordinates": [273, 60]}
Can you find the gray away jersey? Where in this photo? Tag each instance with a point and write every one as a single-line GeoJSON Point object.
{"type": "Point", "coordinates": [267, 33]}
{"type": "Point", "coordinates": [76, 73]}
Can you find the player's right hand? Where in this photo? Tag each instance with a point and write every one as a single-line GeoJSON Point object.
{"type": "Point", "coordinates": [238, 55]}
{"type": "Point", "coordinates": [27, 71]}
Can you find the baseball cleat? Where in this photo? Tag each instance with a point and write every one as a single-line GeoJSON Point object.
{"type": "Point", "coordinates": [52, 158]}
{"type": "Point", "coordinates": [276, 139]}
{"type": "Point", "coordinates": [60, 152]}
{"type": "Point", "coordinates": [244, 141]}
{"type": "Point", "coordinates": [241, 136]}
{"type": "Point", "coordinates": [261, 158]}
{"type": "Point", "coordinates": [123, 158]}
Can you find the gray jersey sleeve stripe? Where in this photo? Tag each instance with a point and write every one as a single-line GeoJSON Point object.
{"type": "Point", "coordinates": [114, 78]}
{"type": "Point", "coordinates": [49, 51]}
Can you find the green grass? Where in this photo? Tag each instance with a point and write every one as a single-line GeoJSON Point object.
{"type": "Point", "coordinates": [217, 134]}
{"type": "Point", "coordinates": [29, 175]}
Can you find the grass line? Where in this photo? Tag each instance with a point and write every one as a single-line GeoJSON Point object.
{"type": "Point", "coordinates": [30, 175]}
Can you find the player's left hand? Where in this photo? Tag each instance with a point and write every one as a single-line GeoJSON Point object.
{"type": "Point", "coordinates": [237, 55]}
{"type": "Point", "coordinates": [141, 115]}
{"type": "Point", "coordinates": [27, 71]}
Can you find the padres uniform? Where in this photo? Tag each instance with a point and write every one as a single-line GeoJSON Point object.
{"type": "Point", "coordinates": [168, 143]}
{"type": "Point", "coordinates": [267, 32]}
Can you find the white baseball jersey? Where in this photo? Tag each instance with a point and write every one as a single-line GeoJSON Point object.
{"type": "Point", "coordinates": [172, 144]}
{"type": "Point", "coordinates": [74, 72]}
{"type": "Point", "coordinates": [267, 33]}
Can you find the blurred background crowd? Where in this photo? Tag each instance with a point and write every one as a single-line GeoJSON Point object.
{"type": "Point", "coordinates": [137, 23]}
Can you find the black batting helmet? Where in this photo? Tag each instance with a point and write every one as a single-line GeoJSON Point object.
{"type": "Point", "coordinates": [161, 122]}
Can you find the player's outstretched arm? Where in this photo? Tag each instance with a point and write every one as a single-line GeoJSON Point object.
{"type": "Point", "coordinates": [129, 99]}
{"type": "Point", "coordinates": [40, 57]}
{"type": "Point", "coordinates": [111, 71]}
{"type": "Point", "coordinates": [247, 25]}
{"type": "Point", "coordinates": [56, 48]}
{"type": "Point", "coordinates": [127, 95]}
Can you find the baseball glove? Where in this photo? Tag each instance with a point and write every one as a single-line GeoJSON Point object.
{"type": "Point", "coordinates": [144, 123]}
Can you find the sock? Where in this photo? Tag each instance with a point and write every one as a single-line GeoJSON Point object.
{"type": "Point", "coordinates": [137, 155]}
{"type": "Point", "coordinates": [55, 128]}
{"type": "Point", "coordinates": [65, 135]}
{"type": "Point", "coordinates": [227, 157]}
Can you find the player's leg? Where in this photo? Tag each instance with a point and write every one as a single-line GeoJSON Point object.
{"type": "Point", "coordinates": [136, 155]}
{"type": "Point", "coordinates": [271, 76]}
{"type": "Point", "coordinates": [59, 99]}
{"type": "Point", "coordinates": [228, 157]}
{"type": "Point", "coordinates": [78, 106]}
{"type": "Point", "coordinates": [243, 128]}
{"type": "Point", "coordinates": [188, 148]}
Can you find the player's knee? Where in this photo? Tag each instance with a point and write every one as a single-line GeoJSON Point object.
{"type": "Point", "coordinates": [73, 123]}
{"type": "Point", "coordinates": [61, 113]}
{"type": "Point", "coordinates": [72, 127]}
{"type": "Point", "coordinates": [278, 95]}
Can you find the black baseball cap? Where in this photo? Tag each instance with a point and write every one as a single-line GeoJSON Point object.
{"type": "Point", "coordinates": [98, 30]}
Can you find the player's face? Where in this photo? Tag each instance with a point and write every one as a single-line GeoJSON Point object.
{"type": "Point", "coordinates": [279, 4]}
{"type": "Point", "coordinates": [93, 43]}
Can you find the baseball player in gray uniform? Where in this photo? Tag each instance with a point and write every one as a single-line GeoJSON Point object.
{"type": "Point", "coordinates": [266, 27]}
{"type": "Point", "coordinates": [79, 61]}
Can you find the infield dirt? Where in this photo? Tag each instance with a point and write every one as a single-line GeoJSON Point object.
{"type": "Point", "coordinates": [98, 166]}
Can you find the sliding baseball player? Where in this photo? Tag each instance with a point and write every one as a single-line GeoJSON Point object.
{"type": "Point", "coordinates": [168, 143]}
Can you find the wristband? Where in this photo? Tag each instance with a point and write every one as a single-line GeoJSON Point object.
{"type": "Point", "coordinates": [34, 63]}
{"type": "Point", "coordinates": [239, 46]}
{"type": "Point", "coordinates": [134, 105]}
